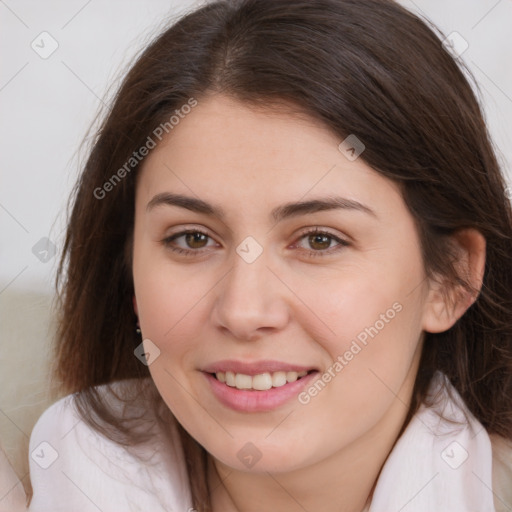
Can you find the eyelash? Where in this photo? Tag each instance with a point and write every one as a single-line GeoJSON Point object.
{"type": "Point", "coordinates": [191, 252]}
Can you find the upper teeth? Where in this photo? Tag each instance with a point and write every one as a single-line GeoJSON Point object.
{"type": "Point", "coordinates": [260, 382]}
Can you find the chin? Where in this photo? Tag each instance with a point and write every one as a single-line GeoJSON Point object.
{"type": "Point", "coordinates": [256, 457]}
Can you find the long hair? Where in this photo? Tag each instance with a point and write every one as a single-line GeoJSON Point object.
{"type": "Point", "coordinates": [365, 67]}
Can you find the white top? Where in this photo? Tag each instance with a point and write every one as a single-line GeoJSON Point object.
{"type": "Point", "coordinates": [433, 467]}
{"type": "Point", "coordinates": [75, 469]}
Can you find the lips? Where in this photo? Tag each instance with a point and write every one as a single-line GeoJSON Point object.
{"type": "Point", "coordinates": [258, 386]}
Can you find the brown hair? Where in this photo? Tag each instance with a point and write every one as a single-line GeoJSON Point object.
{"type": "Point", "coordinates": [364, 67]}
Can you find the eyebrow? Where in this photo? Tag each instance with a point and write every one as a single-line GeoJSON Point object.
{"type": "Point", "coordinates": [278, 214]}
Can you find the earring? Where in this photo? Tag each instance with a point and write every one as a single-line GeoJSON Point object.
{"type": "Point", "coordinates": [137, 328]}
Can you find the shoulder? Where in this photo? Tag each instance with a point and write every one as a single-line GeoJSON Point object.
{"type": "Point", "coordinates": [75, 467]}
{"type": "Point", "coordinates": [62, 431]}
{"type": "Point", "coordinates": [502, 472]}
{"type": "Point", "coordinates": [57, 419]}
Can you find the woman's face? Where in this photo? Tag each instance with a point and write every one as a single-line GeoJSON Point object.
{"type": "Point", "coordinates": [255, 293]}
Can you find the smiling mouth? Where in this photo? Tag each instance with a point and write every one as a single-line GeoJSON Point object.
{"type": "Point", "coordinates": [260, 382]}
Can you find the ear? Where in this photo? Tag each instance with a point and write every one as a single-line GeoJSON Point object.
{"type": "Point", "coordinates": [447, 302]}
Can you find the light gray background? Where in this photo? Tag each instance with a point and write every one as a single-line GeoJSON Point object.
{"type": "Point", "coordinates": [46, 107]}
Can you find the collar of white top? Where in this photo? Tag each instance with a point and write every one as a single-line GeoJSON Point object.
{"type": "Point", "coordinates": [437, 465]}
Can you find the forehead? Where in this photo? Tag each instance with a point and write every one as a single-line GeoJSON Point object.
{"type": "Point", "coordinates": [227, 151]}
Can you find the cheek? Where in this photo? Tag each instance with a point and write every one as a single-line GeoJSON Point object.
{"type": "Point", "coordinates": [167, 295]}
{"type": "Point", "coordinates": [360, 304]}
{"type": "Point", "coordinates": [170, 306]}
{"type": "Point", "coordinates": [370, 317]}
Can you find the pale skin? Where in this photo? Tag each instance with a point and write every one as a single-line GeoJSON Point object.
{"type": "Point", "coordinates": [287, 305]}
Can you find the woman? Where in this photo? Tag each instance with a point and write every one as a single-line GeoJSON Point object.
{"type": "Point", "coordinates": [286, 282]}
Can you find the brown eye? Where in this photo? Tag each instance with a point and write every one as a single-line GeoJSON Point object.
{"type": "Point", "coordinates": [190, 242]}
{"type": "Point", "coordinates": [320, 242]}
{"type": "Point", "coordinates": [196, 240]}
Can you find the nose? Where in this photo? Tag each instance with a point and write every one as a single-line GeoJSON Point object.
{"type": "Point", "coordinates": [251, 301]}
